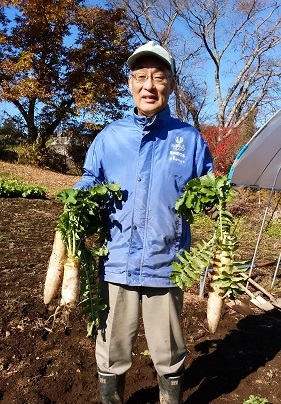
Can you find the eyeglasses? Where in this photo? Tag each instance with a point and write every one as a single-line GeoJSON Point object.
{"type": "Point", "coordinates": [157, 78]}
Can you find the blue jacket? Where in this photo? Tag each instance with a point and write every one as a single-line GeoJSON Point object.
{"type": "Point", "coordinates": [152, 159]}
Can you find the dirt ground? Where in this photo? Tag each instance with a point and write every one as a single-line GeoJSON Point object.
{"type": "Point", "coordinates": [43, 366]}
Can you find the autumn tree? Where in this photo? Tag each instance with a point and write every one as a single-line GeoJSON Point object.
{"type": "Point", "coordinates": [241, 40]}
{"type": "Point", "coordinates": [60, 60]}
{"type": "Point", "coordinates": [227, 53]}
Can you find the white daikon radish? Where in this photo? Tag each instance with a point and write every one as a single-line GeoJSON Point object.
{"type": "Point", "coordinates": [71, 283]}
{"type": "Point", "coordinates": [222, 261]}
{"type": "Point", "coordinates": [54, 274]}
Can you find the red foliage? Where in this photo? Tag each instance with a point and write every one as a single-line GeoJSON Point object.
{"type": "Point", "coordinates": [224, 144]}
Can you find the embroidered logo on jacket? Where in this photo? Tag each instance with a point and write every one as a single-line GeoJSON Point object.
{"type": "Point", "coordinates": [178, 148]}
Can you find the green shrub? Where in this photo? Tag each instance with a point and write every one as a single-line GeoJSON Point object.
{"type": "Point", "coordinates": [7, 145]}
{"type": "Point", "coordinates": [31, 153]}
{"type": "Point", "coordinates": [44, 157]}
{"type": "Point", "coordinates": [273, 229]}
{"type": "Point", "coordinates": [8, 155]}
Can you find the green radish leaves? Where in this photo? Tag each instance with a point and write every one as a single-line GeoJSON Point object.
{"type": "Point", "coordinates": [14, 189]}
{"type": "Point", "coordinates": [90, 304]}
{"type": "Point", "coordinates": [201, 194]}
{"type": "Point", "coordinates": [192, 264]}
{"type": "Point", "coordinates": [85, 213]}
{"type": "Point", "coordinates": [206, 194]}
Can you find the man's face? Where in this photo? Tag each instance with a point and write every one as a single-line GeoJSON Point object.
{"type": "Point", "coordinates": [151, 97]}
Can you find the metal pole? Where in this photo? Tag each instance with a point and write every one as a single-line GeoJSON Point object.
{"type": "Point", "coordinates": [261, 229]}
{"type": "Point", "coordinates": [276, 270]}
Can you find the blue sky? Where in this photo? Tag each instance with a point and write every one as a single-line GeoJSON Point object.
{"type": "Point", "coordinates": [206, 70]}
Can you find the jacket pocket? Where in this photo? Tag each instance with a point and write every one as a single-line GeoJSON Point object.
{"type": "Point", "coordinates": [179, 182]}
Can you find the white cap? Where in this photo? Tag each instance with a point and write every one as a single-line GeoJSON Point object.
{"type": "Point", "coordinates": [152, 49]}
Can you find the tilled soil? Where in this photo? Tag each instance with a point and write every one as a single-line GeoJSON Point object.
{"type": "Point", "coordinates": [39, 364]}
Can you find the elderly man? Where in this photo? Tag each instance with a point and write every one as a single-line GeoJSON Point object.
{"type": "Point", "coordinates": [151, 155]}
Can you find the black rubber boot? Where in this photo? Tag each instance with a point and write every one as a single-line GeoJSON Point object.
{"type": "Point", "coordinates": [171, 389]}
{"type": "Point", "coordinates": [111, 388]}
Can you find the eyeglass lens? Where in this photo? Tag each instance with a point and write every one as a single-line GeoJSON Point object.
{"type": "Point", "coordinates": [157, 78]}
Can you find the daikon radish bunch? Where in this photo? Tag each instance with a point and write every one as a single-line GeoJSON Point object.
{"type": "Point", "coordinates": [205, 194]}
{"type": "Point", "coordinates": [72, 264]}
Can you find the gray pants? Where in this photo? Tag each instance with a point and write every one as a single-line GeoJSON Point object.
{"type": "Point", "coordinates": [161, 309]}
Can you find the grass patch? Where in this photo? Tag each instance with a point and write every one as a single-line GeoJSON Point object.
{"type": "Point", "coordinates": [273, 229]}
{"type": "Point", "coordinates": [52, 182]}
{"type": "Point", "coordinates": [14, 189]}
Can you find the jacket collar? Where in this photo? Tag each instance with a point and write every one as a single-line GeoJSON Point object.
{"type": "Point", "coordinates": [142, 121]}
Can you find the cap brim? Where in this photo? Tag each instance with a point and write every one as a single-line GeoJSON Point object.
{"type": "Point", "coordinates": [133, 59]}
